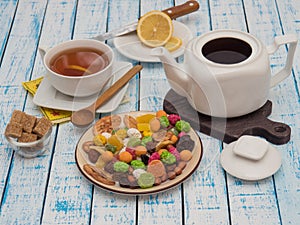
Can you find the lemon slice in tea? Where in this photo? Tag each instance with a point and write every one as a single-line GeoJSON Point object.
{"type": "Point", "coordinates": [79, 68]}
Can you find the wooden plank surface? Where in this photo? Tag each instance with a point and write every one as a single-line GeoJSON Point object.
{"type": "Point", "coordinates": [287, 108]}
{"type": "Point", "coordinates": [7, 12]}
{"type": "Point", "coordinates": [269, 23]}
{"type": "Point", "coordinates": [50, 190]}
{"type": "Point", "coordinates": [21, 202]}
{"type": "Point", "coordinates": [68, 195]}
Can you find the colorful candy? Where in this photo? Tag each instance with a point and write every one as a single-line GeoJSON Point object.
{"type": "Point", "coordinates": [141, 151]}
{"type": "Point", "coordinates": [121, 167]}
{"type": "Point", "coordinates": [168, 158]}
{"type": "Point", "coordinates": [146, 180]}
{"type": "Point", "coordinates": [164, 122]}
{"type": "Point", "coordinates": [137, 164]}
{"type": "Point", "coordinates": [182, 125]}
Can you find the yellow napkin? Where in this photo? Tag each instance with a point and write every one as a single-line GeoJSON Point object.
{"type": "Point", "coordinates": [55, 115]}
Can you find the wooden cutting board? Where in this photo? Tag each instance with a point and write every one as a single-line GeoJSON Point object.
{"type": "Point", "coordinates": [229, 129]}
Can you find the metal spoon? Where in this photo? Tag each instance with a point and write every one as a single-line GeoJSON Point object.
{"type": "Point", "coordinates": [86, 116]}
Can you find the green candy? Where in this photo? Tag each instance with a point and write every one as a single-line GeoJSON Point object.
{"type": "Point", "coordinates": [182, 125]}
{"type": "Point", "coordinates": [137, 164]}
{"type": "Point", "coordinates": [167, 158]}
{"type": "Point", "coordinates": [121, 167]}
{"type": "Point", "coordinates": [146, 180]}
{"type": "Point", "coordinates": [133, 141]}
{"type": "Point", "coordinates": [164, 122]}
{"type": "Point", "coordinates": [111, 148]}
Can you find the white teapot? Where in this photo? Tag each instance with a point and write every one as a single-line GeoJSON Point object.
{"type": "Point", "coordinates": [226, 73]}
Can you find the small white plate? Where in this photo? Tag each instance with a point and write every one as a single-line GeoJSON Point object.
{"type": "Point", "coordinates": [247, 168]}
{"type": "Point", "coordinates": [130, 46]}
{"type": "Point", "coordinates": [48, 96]}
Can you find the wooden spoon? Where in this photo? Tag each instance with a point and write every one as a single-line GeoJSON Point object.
{"type": "Point", "coordinates": [86, 116]}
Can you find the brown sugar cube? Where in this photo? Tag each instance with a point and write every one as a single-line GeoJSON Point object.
{"type": "Point", "coordinates": [42, 126]}
{"type": "Point", "coordinates": [13, 130]}
{"type": "Point", "coordinates": [26, 137]}
{"type": "Point", "coordinates": [28, 122]}
{"type": "Point", "coordinates": [17, 116]}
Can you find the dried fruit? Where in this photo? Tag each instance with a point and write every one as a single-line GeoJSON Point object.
{"type": "Point", "coordinates": [186, 155]}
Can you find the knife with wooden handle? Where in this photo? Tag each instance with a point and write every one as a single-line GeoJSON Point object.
{"type": "Point", "coordinates": [173, 12]}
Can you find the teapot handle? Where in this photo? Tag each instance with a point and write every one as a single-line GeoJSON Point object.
{"type": "Point", "coordinates": [285, 72]}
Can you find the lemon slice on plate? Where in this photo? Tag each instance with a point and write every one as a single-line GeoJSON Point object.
{"type": "Point", "coordinates": [79, 68]}
{"type": "Point", "coordinates": [155, 28]}
{"type": "Point", "coordinates": [173, 44]}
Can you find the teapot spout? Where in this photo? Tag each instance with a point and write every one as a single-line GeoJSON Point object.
{"type": "Point", "coordinates": [174, 71]}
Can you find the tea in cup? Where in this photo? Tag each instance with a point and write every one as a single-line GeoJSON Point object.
{"type": "Point", "coordinates": [78, 67]}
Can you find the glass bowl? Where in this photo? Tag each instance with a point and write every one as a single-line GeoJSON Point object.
{"type": "Point", "coordinates": [30, 149]}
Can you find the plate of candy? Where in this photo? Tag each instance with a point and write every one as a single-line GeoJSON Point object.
{"type": "Point", "coordinates": [139, 153]}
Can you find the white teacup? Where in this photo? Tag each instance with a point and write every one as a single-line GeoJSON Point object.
{"type": "Point", "coordinates": [93, 78]}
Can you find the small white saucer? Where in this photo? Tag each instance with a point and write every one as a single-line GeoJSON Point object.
{"type": "Point", "coordinates": [48, 96]}
{"type": "Point", "coordinates": [251, 167]}
{"type": "Point", "coordinates": [130, 46]}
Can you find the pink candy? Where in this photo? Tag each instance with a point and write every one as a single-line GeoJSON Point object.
{"type": "Point", "coordinates": [182, 133]}
{"type": "Point", "coordinates": [174, 151]}
{"type": "Point", "coordinates": [154, 156]}
{"type": "Point", "coordinates": [173, 118]}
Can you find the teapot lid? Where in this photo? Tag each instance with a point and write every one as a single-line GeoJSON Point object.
{"type": "Point", "coordinates": [250, 158]}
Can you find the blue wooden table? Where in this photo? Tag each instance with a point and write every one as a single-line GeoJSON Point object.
{"type": "Point", "coordinates": [50, 189]}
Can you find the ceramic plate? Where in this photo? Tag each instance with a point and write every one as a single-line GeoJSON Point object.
{"type": "Point", "coordinates": [82, 159]}
{"type": "Point", "coordinates": [249, 169]}
{"type": "Point", "coordinates": [48, 96]}
{"type": "Point", "coordinates": [130, 46]}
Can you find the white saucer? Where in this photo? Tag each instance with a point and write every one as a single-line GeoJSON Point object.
{"type": "Point", "coordinates": [248, 168]}
{"type": "Point", "coordinates": [130, 46]}
{"type": "Point", "coordinates": [48, 96]}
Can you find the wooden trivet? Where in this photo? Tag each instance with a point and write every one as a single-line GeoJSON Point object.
{"type": "Point", "coordinates": [229, 129]}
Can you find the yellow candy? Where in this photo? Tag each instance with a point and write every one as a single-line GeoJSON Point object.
{"type": "Point", "coordinates": [147, 133]}
{"type": "Point", "coordinates": [143, 127]}
{"type": "Point", "coordinates": [145, 118]}
{"type": "Point", "coordinates": [99, 140]}
{"type": "Point", "coordinates": [122, 133]}
{"type": "Point", "coordinates": [115, 141]}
